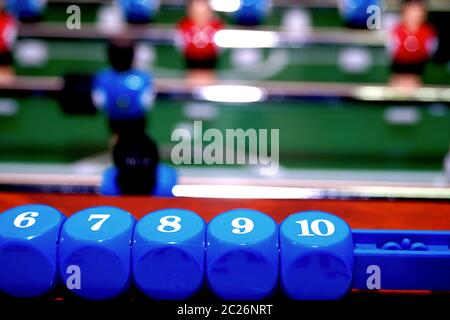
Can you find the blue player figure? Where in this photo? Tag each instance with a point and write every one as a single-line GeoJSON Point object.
{"type": "Point", "coordinates": [139, 11]}
{"type": "Point", "coordinates": [123, 93]}
{"type": "Point", "coordinates": [252, 12]}
{"type": "Point", "coordinates": [357, 13]}
{"type": "Point", "coordinates": [126, 95]}
{"type": "Point", "coordinates": [27, 10]}
{"type": "Point", "coordinates": [137, 169]}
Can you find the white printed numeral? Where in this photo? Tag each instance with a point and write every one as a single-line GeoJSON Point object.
{"type": "Point", "coordinates": [315, 228]}
{"type": "Point", "coordinates": [242, 225]}
{"type": "Point", "coordinates": [26, 219]}
{"type": "Point", "coordinates": [169, 224]}
{"type": "Point", "coordinates": [101, 220]}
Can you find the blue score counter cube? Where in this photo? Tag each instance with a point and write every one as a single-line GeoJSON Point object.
{"type": "Point", "coordinates": [169, 254]}
{"type": "Point", "coordinates": [28, 250]}
{"type": "Point", "coordinates": [95, 252]}
{"type": "Point", "coordinates": [316, 256]}
{"type": "Point", "coordinates": [242, 255]}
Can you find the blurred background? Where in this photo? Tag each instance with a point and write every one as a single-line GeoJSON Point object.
{"type": "Point", "coordinates": [360, 95]}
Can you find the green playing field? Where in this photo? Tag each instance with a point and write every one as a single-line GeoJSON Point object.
{"type": "Point", "coordinates": [311, 134]}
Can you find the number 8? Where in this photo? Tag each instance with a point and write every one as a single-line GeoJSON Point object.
{"type": "Point", "coordinates": [27, 217]}
{"type": "Point", "coordinates": [169, 224]}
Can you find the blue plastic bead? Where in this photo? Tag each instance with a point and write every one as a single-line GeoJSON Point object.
{"type": "Point", "coordinates": [28, 250]}
{"type": "Point", "coordinates": [316, 256]}
{"type": "Point", "coordinates": [401, 260]}
{"type": "Point", "coordinates": [123, 95]}
{"type": "Point", "coordinates": [242, 255]}
{"type": "Point", "coordinates": [169, 254]}
{"type": "Point", "coordinates": [252, 12]}
{"type": "Point", "coordinates": [139, 11]}
{"type": "Point", "coordinates": [166, 179]}
{"type": "Point", "coordinates": [95, 252]}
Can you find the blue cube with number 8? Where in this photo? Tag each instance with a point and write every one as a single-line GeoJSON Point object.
{"type": "Point", "coordinates": [242, 255]}
{"type": "Point", "coordinates": [95, 252]}
{"type": "Point", "coordinates": [28, 250]}
{"type": "Point", "coordinates": [316, 256]}
{"type": "Point", "coordinates": [169, 254]}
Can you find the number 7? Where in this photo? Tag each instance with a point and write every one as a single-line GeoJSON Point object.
{"type": "Point", "coordinates": [98, 225]}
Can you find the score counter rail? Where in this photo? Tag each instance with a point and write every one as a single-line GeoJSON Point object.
{"type": "Point", "coordinates": [325, 252]}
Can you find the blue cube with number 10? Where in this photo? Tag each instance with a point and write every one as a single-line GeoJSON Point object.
{"type": "Point", "coordinates": [28, 249]}
{"type": "Point", "coordinates": [242, 255]}
{"type": "Point", "coordinates": [169, 254]}
{"type": "Point", "coordinates": [95, 252]}
{"type": "Point", "coordinates": [316, 256]}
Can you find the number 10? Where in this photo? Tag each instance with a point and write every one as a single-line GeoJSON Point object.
{"type": "Point", "coordinates": [315, 228]}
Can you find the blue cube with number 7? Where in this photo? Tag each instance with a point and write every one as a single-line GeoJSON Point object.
{"type": "Point", "coordinates": [28, 250]}
{"type": "Point", "coordinates": [95, 252]}
{"type": "Point", "coordinates": [316, 256]}
{"type": "Point", "coordinates": [242, 255]}
{"type": "Point", "coordinates": [169, 254]}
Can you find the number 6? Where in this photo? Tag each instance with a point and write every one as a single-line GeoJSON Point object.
{"type": "Point", "coordinates": [27, 217]}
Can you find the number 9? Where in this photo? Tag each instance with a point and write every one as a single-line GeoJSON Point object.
{"type": "Point", "coordinates": [242, 225]}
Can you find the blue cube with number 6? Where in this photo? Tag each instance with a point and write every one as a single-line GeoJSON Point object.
{"type": "Point", "coordinates": [169, 254]}
{"type": "Point", "coordinates": [28, 249]}
{"type": "Point", "coordinates": [95, 252]}
{"type": "Point", "coordinates": [242, 255]}
{"type": "Point", "coordinates": [316, 256]}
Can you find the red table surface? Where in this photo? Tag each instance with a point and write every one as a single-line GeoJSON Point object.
{"type": "Point", "coordinates": [365, 214]}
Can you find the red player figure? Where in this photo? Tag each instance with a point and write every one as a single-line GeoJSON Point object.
{"type": "Point", "coordinates": [8, 32]}
{"type": "Point", "coordinates": [197, 32]}
{"type": "Point", "coordinates": [412, 44]}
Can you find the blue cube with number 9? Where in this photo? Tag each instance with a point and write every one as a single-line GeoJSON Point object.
{"type": "Point", "coordinates": [242, 255]}
{"type": "Point", "coordinates": [169, 254]}
{"type": "Point", "coordinates": [28, 249]}
{"type": "Point", "coordinates": [316, 256]}
{"type": "Point", "coordinates": [95, 252]}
